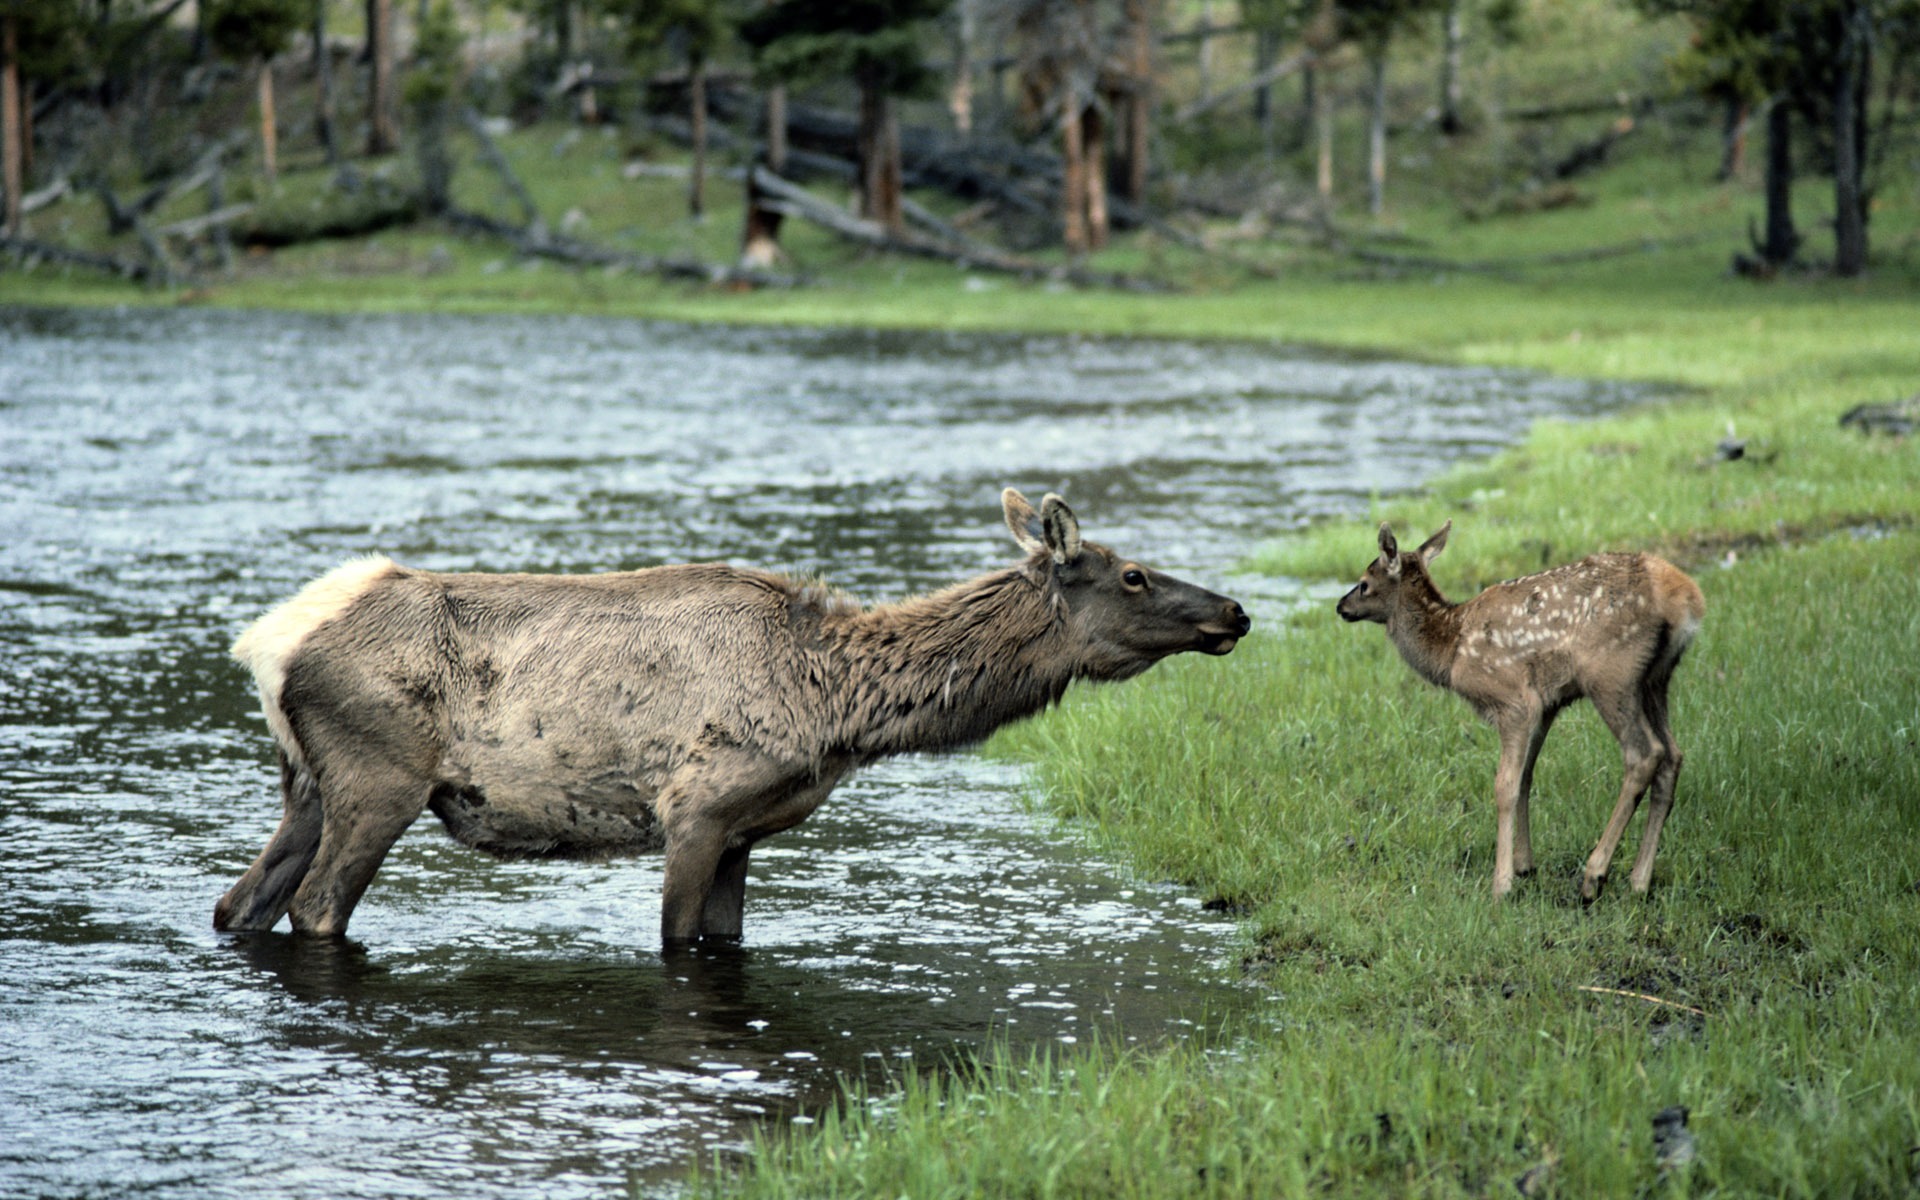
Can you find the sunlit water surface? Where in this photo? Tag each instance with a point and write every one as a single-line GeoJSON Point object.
{"type": "Point", "coordinates": [503, 1030]}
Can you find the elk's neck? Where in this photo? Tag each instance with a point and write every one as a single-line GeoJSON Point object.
{"type": "Point", "coordinates": [1425, 628]}
{"type": "Point", "coordinates": [948, 669]}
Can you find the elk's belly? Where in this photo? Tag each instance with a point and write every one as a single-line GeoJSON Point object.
{"type": "Point", "coordinates": [522, 805]}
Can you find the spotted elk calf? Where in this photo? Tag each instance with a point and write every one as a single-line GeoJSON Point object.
{"type": "Point", "coordinates": [1611, 627]}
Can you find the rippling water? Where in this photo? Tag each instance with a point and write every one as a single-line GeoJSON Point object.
{"type": "Point", "coordinates": [494, 1029]}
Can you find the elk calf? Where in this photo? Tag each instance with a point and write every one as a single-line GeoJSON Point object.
{"type": "Point", "coordinates": [687, 709]}
{"type": "Point", "coordinates": [1611, 627]}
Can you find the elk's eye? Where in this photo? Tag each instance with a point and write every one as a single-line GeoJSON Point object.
{"type": "Point", "coordinates": [1134, 578]}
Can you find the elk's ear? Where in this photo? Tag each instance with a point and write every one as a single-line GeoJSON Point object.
{"type": "Point", "coordinates": [1389, 551]}
{"type": "Point", "coordinates": [1062, 529]}
{"type": "Point", "coordinates": [1023, 521]}
{"type": "Point", "coordinates": [1431, 548]}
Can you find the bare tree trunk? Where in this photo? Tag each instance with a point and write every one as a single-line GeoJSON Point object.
{"type": "Point", "coordinates": [1073, 181]}
{"type": "Point", "coordinates": [381, 137]}
{"type": "Point", "coordinates": [1094, 146]}
{"type": "Point", "coordinates": [1206, 48]}
{"type": "Point", "coordinates": [1377, 133]}
{"type": "Point", "coordinates": [776, 118]}
{"type": "Point", "coordinates": [880, 174]}
{"type": "Point", "coordinates": [1265, 49]}
{"type": "Point", "coordinates": [760, 236]}
{"type": "Point", "coordinates": [697, 99]}
{"type": "Point", "coordinates": [1451, 35]}
{"type": "Point", "coordinates": [12, 172]}
{"type": "Point", "coordinates": [1782, 241]}
{"type": "Point", "coordinates": [269, 125]}
{"type": "Point", "coordinates": [1322, 100]}
{"type": "Point", "coordinates": [323, 85]}
{"type": "Point", "coordinates": [1733, 138]}
{"type": "Point", "coordinates": [1849, 207]}
{"type": "Point", "coordinates": [1140, 99]}
{"type": "Point", "coordinates": [960, 92]}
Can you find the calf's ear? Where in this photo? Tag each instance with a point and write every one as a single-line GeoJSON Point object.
{"type": "Point", "coordinates": [1431, 548]}
{"type": "Point", "coordinates": [1389, 551]}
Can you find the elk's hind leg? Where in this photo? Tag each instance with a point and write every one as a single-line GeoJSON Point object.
{"type": "Point", "coordinates": [260, 897]}
{"type": "Point", "coordinates": [1660, 802]}
{"type": "Point", "coordinates": [1643, 755]}
{"type": "Point", "coordinates": [366, 805]}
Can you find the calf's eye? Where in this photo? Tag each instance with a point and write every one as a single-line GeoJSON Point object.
{"type": "Point", "coordinates": [1134, 578]}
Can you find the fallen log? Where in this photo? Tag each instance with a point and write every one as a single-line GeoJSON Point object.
{"type": "Point", "coordinates": [193, 227]}
{"type": "Point", "coordinates": [25, 249]}
{"type": "Point", "coordinates": [794, 200]}
{"type": "Point", "coordinates": [586, 254]}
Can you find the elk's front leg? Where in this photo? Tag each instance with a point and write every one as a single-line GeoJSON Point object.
{"type": "Point", "coordinates": [1515, 736]}
{"type": "Point", "coordinates": [713, 810]}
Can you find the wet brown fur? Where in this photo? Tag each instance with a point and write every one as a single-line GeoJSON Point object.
{"type": "Point", "coordinates": [693, 709]}
{"type": "Point", "coordinates": [1611, 628]}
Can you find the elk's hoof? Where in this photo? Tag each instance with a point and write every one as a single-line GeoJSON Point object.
{"type": "Point", "coordinates": [1590, 886]}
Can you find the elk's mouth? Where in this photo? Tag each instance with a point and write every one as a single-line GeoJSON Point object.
{"type": "Point", "coordinates": [1218, 641]}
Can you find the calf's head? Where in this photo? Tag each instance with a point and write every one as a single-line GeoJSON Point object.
{"type": "Point", "coordinates": [1373, 598]}
{"type": "Point", "coordinates": [1128, 616]}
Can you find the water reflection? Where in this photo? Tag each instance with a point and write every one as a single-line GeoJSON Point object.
{"type": "Point", "coordinates": [166, 475]}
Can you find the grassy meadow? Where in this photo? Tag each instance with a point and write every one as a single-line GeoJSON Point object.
{"type": "Point", "coordinates": [1421, 1040]}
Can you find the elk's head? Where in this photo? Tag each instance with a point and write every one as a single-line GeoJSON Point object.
{"type": "Point", "coordinates": [1374, 597]}
{"type": "Point", "coordinates": [1128, 616]}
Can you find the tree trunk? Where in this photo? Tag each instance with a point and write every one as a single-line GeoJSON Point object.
{"type": "Point", "coordinates": [1782, 242]}
{"type": "Point", "coordinates": [1321, 98]}
{"type": "Point", "coordinates": [432, 119]}
{"type": "Point", "coordinates": [323, 85]}
{"type": "Point", "coordinates": [1733, 138]}
{"type": "Point", "coordinates": [879, 158]}
{"type": "Point", "coordinates": [1140, 100]}
{"type": "Point", "coordinates": [960, 91]}
{"type": "Point", "coordinates": [269, 125]}
{"type": "Point", "coordinates": [1206, 47]}
{"type": "Point", "coordinates": [12, 174]}
{"type": "Point", "coordinates": [381, 137]}
{"type": "Point", "coordinates": [1265, 49]}
{"type": "Point", "coordinates": [776, 118]}
{"type": "Point", "coordinates": [1073, 181]}
{"type": "Point", "coordinates": [1377, 133]}
{"type": "Point", "coordinates": [697, 117]}
{"type": "Point", "coordinates": [1094, 148]}
{"type": "Point", "coordinates": [1451, 29]}
{"type": "Point", "coordinates": [760, 237]}
{"type": "Point", "coordinates": [1849, 207]}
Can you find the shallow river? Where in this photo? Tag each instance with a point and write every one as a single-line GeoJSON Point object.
{"type": "Point", "coordinates": [503, 1030]}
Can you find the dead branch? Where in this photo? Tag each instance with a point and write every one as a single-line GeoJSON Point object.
{"type": "Point", "coordinates": [1607, 991]}
{"type": "Point", "coordinates": [46, 197]}
{"type": "Point", "coordinates": [1273, 74]}
{"type": "Point", "coordinates": [490, 150]}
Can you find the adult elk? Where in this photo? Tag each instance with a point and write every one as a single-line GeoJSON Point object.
{"type": "Point", "coordinates": [1611, 627]}
{"type": "Point", "coordinates": [692, 709]}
